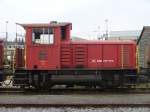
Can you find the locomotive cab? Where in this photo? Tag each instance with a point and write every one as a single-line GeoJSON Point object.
{"type": "Point", "coordinates": [43, 45]}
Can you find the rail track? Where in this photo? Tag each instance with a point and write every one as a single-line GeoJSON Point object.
{"type": "Point", "coordinates": [17, 90]}
{"type": "Point", "coordinates": [75, 105]}
{"type": "Point", "coordinates": [76, 97]}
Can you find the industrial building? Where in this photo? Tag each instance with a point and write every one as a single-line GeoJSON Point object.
{"type": "Point", "coordinates": [124, 35]}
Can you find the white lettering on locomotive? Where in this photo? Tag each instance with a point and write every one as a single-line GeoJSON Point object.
{"type": "Point", "coordinates": [93, 61]}
{"type": "Point", "coordinates": [102, 61]}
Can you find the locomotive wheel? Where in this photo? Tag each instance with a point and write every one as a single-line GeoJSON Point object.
{"type": "Point", "coordinates": [69, 86]}
{"type": "Point", "coordinates": [44, 87]}
{"type": "Point", "coordinates": [109, 85]}
{"type": "Point", "coordinates": [22, 87]}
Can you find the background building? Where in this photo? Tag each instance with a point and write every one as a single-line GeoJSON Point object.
{"type": "Point", "coordinates": [124, 35]}
{"type": "Point", "coordinates": [144, 47]}
{"type": "Point", "coordinates": [74, 38]}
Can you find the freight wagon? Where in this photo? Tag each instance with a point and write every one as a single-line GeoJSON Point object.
{"type": "Point", "coordinates": [51, 58]}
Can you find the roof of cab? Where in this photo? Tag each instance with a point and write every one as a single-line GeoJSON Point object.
{"type": "Point", "coordinates": [51, 24]}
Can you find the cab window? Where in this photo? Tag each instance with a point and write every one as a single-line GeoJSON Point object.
{"type": "Point", "coordinates": [43, 36]}
{"type": "Point", "coordinates": [63, 33]}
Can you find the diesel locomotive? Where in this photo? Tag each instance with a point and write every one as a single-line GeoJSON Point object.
{"type": "Point", "coordinates": [51, 58]}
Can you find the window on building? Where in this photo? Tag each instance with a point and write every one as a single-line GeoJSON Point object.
{"type": "Point", "coordinates": [43, 35]}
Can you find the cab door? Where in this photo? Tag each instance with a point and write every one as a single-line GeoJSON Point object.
{"type": "Point", "coordinates": [43, 52]}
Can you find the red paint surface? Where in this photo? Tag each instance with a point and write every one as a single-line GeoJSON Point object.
{"type": "Point", "coordinates": [101, 55]}
{"type": "Point", "coordinates": [50, 62]}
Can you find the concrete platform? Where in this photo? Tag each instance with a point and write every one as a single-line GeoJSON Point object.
{"type": "Point", "coordinates": [76, 100]}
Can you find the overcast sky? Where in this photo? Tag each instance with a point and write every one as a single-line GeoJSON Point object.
{"type": "Point", "coordinates": [85, 15]}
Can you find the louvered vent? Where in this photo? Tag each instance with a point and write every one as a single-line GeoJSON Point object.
{"type": "Point", "coordinates": [66, 58]}
{"type": "Point", "coordinates": [80, 56]}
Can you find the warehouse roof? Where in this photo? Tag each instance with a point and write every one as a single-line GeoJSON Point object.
{"type": "Point", "coordinates": [143, 31]}
{"type": "Point", "coordinates": [124, 35]}
{"type": "Point", "coordinates": [74, 38]}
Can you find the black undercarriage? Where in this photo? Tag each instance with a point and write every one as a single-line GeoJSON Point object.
{"type": "Point", "coordinates": [49, 78]}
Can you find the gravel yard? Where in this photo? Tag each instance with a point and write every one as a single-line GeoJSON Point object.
{"type": "Point", "coordinates": [76, 99]}
{"type": "Point", "coordinates": [74, 109]}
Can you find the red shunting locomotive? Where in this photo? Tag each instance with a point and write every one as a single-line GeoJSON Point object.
{"type": "Point", "coordinates": [51, 58]}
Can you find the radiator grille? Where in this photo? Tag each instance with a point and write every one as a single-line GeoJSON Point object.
{"type": "Point", "coordinates": [80, 56]}
{"type": "Point", "coordinates": [66, 56]}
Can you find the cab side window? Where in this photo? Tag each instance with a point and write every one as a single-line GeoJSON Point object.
{"type": "Point", "coordinates": [43, 36]}
{"type": "Point", "coordinates": [63, 33]}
